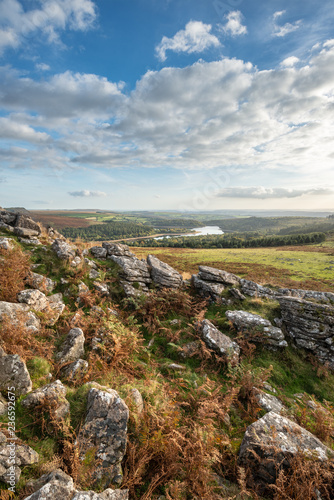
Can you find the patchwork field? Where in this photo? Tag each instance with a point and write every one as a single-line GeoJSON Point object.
{"type": "Point", "coordinates": [298, 267]}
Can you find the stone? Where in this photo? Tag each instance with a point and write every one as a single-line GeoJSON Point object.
{"type": "Point", "coordinates": [25, 232]}
{"type": "Point", "coordinates": [310, 325]}
{"type": "Point", "coordinates": [206, 289]}
{"type": "Point", "coordinates": [219, 342]}
{"type": "Point", "coordinates": [326, 297]}
{"type": "Point", "coordinates": [74, 371]}
{"type": "Point", "coordinates": [57, 307]}
{"type": "Point", "coordinates": [133, 270]}
{"type": "Point", "coordinates": [17, 313]}
{"type": "Point", "coordinates": [76, 261]}
{"type": "Point", "coordinates": [52, 394]}
{"type": "Point", "coordinates": [131, 291]}
{"type": "Point", "coordinates": [24, 455]}
{"type": "Point", "coordinates": [271, 442]}
{"type": "Point", "coordinates": [63, 250]}
{"type": "Point", "coordinates": [35, 299]}
{"type": "Point", "coordinates": [8, 218]}
{"type": "Point", "coordinates": [176, 367]}
{"type": "Point", "coordinates": [98, 252]}
{"type": "Point", "coordinates": [24, 222]}
{"type": "Point", "coordinates": [163, 275]}
{"type": "Point", "coordinates": [137, 400]}
{"type": "Point", "coordinates": [30, 241]}
{"type": "Point", "coordinates": [6, 227]}
{"type": "Point", "coordinates": [236, 294]}
{"type": "Point", "coordinates": [93, 274]}
{"type": "Point", "coordinates": [40, 282]}
{"type": "Point", "coordinates": [73, 347]}
{"type": "Point", "coordinates": [6, 243]}
{"type": "Point", "coordinates": [91, 263]}
{"type": "Point", "coordinates": [190, 349]}
{"type": "Point", "coordinates": [13, 372]}
{"type": "Point", "coordinates": [254, 290]}
{"type": "Point", "coordinates": [207, 273]}
{"type": "Point", "coordinates": [82, 288]}
{"type": "Point", "coordinates": [56, 485]}
{"type": "Point", "coordinates": [268, 402]}
{"type": "Point", "coordinates": [3, 406]}
{"type": "Point", "coordinates": [258, 329]}
{"type": "Point", "coordinates": [105, 431]}
{"type": "Point", "coordinates": [117, 249]}
{"type": "Point", "coordinates": [102, 288]}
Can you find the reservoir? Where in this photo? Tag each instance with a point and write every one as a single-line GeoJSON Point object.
{"type": "Point", "coordinates": [199, 231]}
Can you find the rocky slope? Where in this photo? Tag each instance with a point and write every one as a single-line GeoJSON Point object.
{"type": "Point", "coordinates": [131, 382]}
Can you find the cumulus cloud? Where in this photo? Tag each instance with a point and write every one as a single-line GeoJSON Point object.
{"type": "Point", "coordinates": [209, 115]}
{"type": "Point", "coordinates": [87, 194]}
{"type": "Point", "coordinates": [49, 20]}
{"type": "Point", "coordinates": [286, 28]}
{"type": "Point", "coordinates": [234, 26]}
{"type": "Point", "coordinates": [196, 37]}
{"type": "Point", "coordinates": [289, 62]}
{"type": "Point", "coordinates": [265, 193]}
{"type": "Point", "coordinates": [42, 67]}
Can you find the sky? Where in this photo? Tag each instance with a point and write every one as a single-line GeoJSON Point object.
{"type": "Point", "coordinates": [167, 104]}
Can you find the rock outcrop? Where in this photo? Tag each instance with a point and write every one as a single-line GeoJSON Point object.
{"type": "Point", "coordinates": [163, 275]}
{"type": "Point", "coordinates": [24, 455]}
{"type": "Point", "coordinates": [73, 347]}
{"type": "Point", "coordinates": [19, 314]}
{"type": "Point", "coordinates": [52, 395]}
{"type": "Point", "coordinates": [207, 289]}
{"type": "Point", "coordinates": [257, 328]}
{"type": "Point", "coordinates": [219, 342]}
{"type": "Point", "coordinates": [271, 442]}
{"type": "Point", "coordinates": [57, 485]}
{"type": "Point", "coordinates": [13, 372]}
{"type": "Point", "coordinates": [210, 282]}
{"type": "Point", "coordinates": [310, 325]}
{"type": "Point", "coordinates": [63, 250]}
{"type": "Point", "coordinates": [37, 300]}
{"type": "Point", "coordinates": [40, 282]}
{"type": "Point", "coordinates": [105, 431]}
{"type": "Point", "coordinates": [6, 243]}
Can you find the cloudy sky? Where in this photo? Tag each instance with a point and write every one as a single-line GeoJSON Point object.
{"type": "Point", "coordinates": [167, 104]}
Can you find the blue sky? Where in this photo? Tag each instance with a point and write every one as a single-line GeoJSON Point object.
{"type": "Point", "coordinates": [165, 104]}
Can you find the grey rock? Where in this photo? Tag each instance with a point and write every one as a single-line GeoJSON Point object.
{"type": "Point", "coordinates": [176, 367]}
{"type": "Point", "coordinates": [219, 342]}
{"type": "Point", "coordinates": [163, 275]}
{"type": "Point", "coordinates": [75, 370]}
{"type": "Point", "coordinates": [63, 250]}
{"type": "Point", "coordinates": [117, 249]}
{"type": "Point", "coordinates": [102, 288]}
{"type": "Point", "coordinates": [206, 289]}
{"type": "Point", "coordinates": [13, 372]}
{"type": "Point", "coordinates": [98, 252]}
{"type": "Point", "coordinates": [254, 290]}
{"type": "Point", "coordinates": [24, 455]}
{"type": "Point", "coordinates": [24, 222]}
{"type": "Point", "coordinates": [7, 217]}
{"type": "Point", "coordinates": [17, 312]}
{"type": "Point", "coordinates": [217, 275]}
{"type": "Point", "coordinates": [137, 400]}
{"type": "Point", "coordinates": [271, 442]}
{"type": "Point", "coordinates": [133, 270]}
{"type": "Point", "coordinates": [35, 299]}
{"type": "Point", "coordinates": [310, 325]}
{"type": "Point", "coordinates": [76, 261]}
{"type": "Point", "coordinates": [91, 263]}
{"type": "Point", "coordinates": [6, 243]}
{"type": "Point", "coordinates": [6, 227]}
{"type": "Point", "coordinates": [73, 347]}
{"type": "Point", "coordinates": [131, 291]}
{"type": "Point", "coordinates": [3, 406]}
{"type": "Point", "coordinates": [55, 485]}
{"type": "Point", "coordinates": [268, 402]}
{"type": "Point", "coordinates": [40, 282]}
{"type": "Point", "coordinates": [258, 328]}
{"type": "Point", "coordinates": [25, 232]}
{"type": "Point", "coordinates": [30, 241]}
{"type": "Point", "coordinates": [235, 292]}
{"type": "Point", "coordinates": [327, 297]}
{"type": "Point", "coordinates": [52, 394]}
{"type": "Point", "coordinates": [108, 494]}
{"type": "Point", "coordinates": [93, 274]}
{"type": "Point", "coordinates": [105, 430]}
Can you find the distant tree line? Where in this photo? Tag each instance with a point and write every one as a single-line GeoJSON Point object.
{"type": "Point", "coordinates": [232, 241]}
{"type": "Point", "coordinates": [108, 231]}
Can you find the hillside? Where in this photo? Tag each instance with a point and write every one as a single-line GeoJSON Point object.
{"type": "Point", "coordinates": [124, 377]}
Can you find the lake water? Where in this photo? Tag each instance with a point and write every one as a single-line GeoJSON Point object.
{"type": "Point", "coordinates": [200, 231]}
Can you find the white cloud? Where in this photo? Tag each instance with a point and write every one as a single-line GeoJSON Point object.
{"type": "Point", "coordinates": [220, 114]}
{"type": "Point", "coordinates": [289, 62]}
{"type": "Point", "coordinates": [42, 67]}
{"type": "Point", "coordinates": [54, 16]}
{"type": "Point", "coordinates": [196, 37]}
{"type": "Point", "coordinates": [87, 194]}
{"type": "Point", "coordinates": [264, 193]}
{"type": "Point", "coordinates": [234, 26]}
{"type": "Point", "coordinates": [287, 28]}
